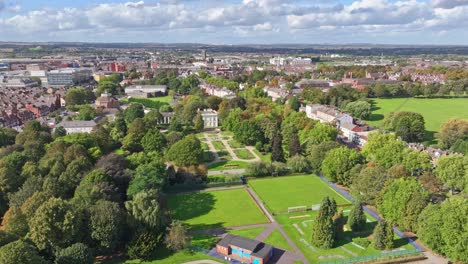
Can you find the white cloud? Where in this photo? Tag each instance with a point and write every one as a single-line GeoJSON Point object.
{"type": "Point", "coordinates": [257, 19]}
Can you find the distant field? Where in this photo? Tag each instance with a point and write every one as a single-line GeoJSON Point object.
{"type": "Point", "coordinates": [207, 210]}
{"type": "Point", "coordinates": [283, 192]}
{"type": "Point", "coordinates": [435, 111]}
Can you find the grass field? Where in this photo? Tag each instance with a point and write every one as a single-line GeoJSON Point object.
{"type": "Point", "coordinates": [171, 258]}
{"type": "Point", "coordinates": [235, 144]}
{"type": "Point", "coordinates": [276, 239]}
{"type": "Point", "coordinates": [264, 158]}
{"type": "Point", "coordinates": [283, 192]}
{"type": "Point", "coordinates": [207, 210]}
{"type": "Point", "coordinates": [244, 154]}
{"type": "Point", "coordinates": [218, 145]}
{"type": "Point", "coordinates": [435, 111]}
{"type": "Point", "coordinates": [228, 165]}
{"type": "Point", "coordinates": [251, 233]}
{"type": "Point", "coordinates": [154, 102]}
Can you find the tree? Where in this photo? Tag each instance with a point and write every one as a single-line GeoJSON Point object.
{"type": "Point", "coordinates": [298, 164]}
{"type": "Point", "coordinates": [134, 111]}
{"type": "Point", "coordinates": [294, 146]}
{"type": "Point", "coordinates": [154, 140]}
{"type": "Point", "coordinates": [19, 252]}
{"type": "Point", "coordinates": [79, 96]}
{"type": "Point", "coordinates": [383, 235]}
{"type": "Point", "coordinates": [148, 176]}
{"type": "Point", "coordinates": [177, 237]}
{"type": "Point", "coordinates": [369, 182]}
{"type": "Point", "coordinates": [357, 218]}
{"type": "Point", "coordinates": [277, 149]}
{"type": "Point", "coordinates": [7, 136]}
{"type": "Point", "coordinates": [316, 153]}
{"type": "Point", "coordinates": [338, 223]}
{"type": "Point", "coordinates": [86, 112]}
{"type": "Point", "coordinates": [402, 201]}
{"type": "Point", "coordinates": [442, 228]}
{"type": "Point", "coordinates": [55, 224]}
{"type": "Point", "coordinates": [453, 171]}
{"type": "Point", "coordinates": [136, 132]}
{"type": "Point", "coordinates": [359, 109]}
{"type": "Point", "coordinates": [258, 169]}
{"type": "Point", "coordinates": [118, 127]}
{"type": "Point", "coordinates": [338, 163]}
{"type": "Point", "coordinates": [416, 162]}
{"type": "Point", "coordinates": [199, 124]}
{"type": "Point", "coordinates": [384, 149]}
{"type": "Point", "coordinates": [77, 253]}
{"type": "Point", "coordinates": [320, 133]}
{"type": "Point", "coordinates": [294, 103]}
{"type": "Point", "coordinates": [213, 102]}
{"type": "Point", "coordinates": [106, 223]}
{"type": "Point", "coordinates": [323, 232]}
{"type": "Point", "coordinates": [452, 131]}
{"type": "Point", "coordinates": [146, 211]}
{"type": "Point", "coordinates": [186, 152]}
{"type": "Point", "coordinates": [407, 125]}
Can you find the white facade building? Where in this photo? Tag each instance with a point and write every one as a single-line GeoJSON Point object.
{"type": "Point", "coordinates": [210, 117]}
{"type": "Point", "coordinates": [77, 126]}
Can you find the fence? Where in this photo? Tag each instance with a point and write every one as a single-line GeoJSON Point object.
{"type": "Point", "coordinates": [376, 257]}
{"type": "Point", "coordinates": [370, 212]}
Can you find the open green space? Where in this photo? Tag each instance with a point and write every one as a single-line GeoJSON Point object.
{"type": "Point", "coordinates": [345, 248]}
{"type": "Point", "coordinates": [282, 192]}
{"type": "Point", "coordinates": [435, 111]}
{"type": "Point", "coordinates": [251, 233]}
{"type": "Point", "coordinates": [244, 154]}
{"type": "Point", "coordinates": [154, 102]}
{"type": "Point", "coordinates": [207, 210]}
{"type": "Point", "coordinates": [218, 145]}
{"type": "Point", "coordinates": [235, 144]}
{"type": "Point", "coordinates": [167, 257]}
{"type": "Point", "coordinates": [228, 165]}
{"type": "Point", "coordinates": [276, 239]}
{"type": "Point", "coordinates": [264, 157]}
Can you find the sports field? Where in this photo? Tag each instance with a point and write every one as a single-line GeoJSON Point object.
{"type": "Point", "coordinates": [435, 111]}
{"type": "Point", "coordinates": [283, 192]}
{"type": "Point", "coordinates": [207, 210]}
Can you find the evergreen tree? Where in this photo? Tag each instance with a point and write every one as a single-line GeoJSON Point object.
{"type": "Point", "coordinates": [199, 124]}
{"type": "Point", "coordinates": [277, 149]}
{"type": "Point", "coordinates": [356, 218]}
{"type": "Point", "coordinates": [339, 222]}
{"type": "Point", "coordinates": [383, 235]}
{"type": "Point", "coordinates": [323, 233]}
{"type": "Point", "coordinates": [294, 145]}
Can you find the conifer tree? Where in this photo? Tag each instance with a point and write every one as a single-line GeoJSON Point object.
{"type": "Point", "coordinates": [380, 235]}
{"type": "Point", "coordinates": [323, 232]}
{"type": "Point", "coordinates": [277, 149]}
{"type": "Point", "coordinates": [199, 124]}
{"type": "Point", "coordinates": [356, 218]}
{"type": "Point", "coordinates": [294, 145]}
{"type": "Point", "coordinates": [389, 234]}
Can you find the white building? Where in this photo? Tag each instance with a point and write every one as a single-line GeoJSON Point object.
{"type": "Point", "coordinates": [210, 117]}
{"type": "Point", "coordinates": [327, 114]}
{"type": "Point", "coordinates": [301, 61]}
{"type": "Point", "coordinates": [77, 126]}
{"type": "Point", "coordinates": [68, 77]}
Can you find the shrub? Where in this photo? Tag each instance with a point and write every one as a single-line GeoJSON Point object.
{"type": "Point", "coordinates": [362, 241]}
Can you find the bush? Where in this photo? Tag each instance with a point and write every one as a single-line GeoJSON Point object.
{"type": "Point", "coordinates": [279, 168]}
{"type": "Point", "coordinates": [362, 241]}
{"type": "Point", "coordinates": [258, 169]}
{"type": "Point", "coordinates": [143, 245]}
{"type": "Point", "coordinates": [75, 254]}
{"type": "Point", "coordinates": [298, 164]}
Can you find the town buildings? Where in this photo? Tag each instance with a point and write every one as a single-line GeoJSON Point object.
{"type": "Point", "coordinates": [106, 100]}
{"type": "Point", "coordinates": [68, 77]}
{"type": "Point", "coordinates": [77, 126]}
{"type": "Point", "coordinates": [145, 91]}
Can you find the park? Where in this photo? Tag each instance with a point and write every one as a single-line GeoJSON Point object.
{"type": "Point", "coordinates": [293, 202]}
{"type": "Point", "coordinates": [435, 111]}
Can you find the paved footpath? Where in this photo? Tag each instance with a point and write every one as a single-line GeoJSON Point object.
{"type": "Point", "coordinates": [206, 261]}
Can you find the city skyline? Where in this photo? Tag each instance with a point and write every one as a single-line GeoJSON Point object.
{"type": "Point", "coordinates": [433, 22]}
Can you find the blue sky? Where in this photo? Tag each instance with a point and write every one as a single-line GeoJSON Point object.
{"type": "Point", "coordinates": [237, 21]}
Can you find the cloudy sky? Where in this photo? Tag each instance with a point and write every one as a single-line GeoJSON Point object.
{"type": "Point", "coordinates": [237, 21]}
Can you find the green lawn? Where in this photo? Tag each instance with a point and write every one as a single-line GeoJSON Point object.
{"type": "Point", "coordinates": [282, 192]}
{"type": "Point", "coordinates": [244, 154]}
{"type": "Point", "coordinates": [264, 158]}
{"type": "Point", "coordinates": [435, 111]}
{"type": "Point", "coordinates": [251, 233]}
{"type": "Point", "coordinates": [154, 102]}
{"type": "Point", "coordinates": [345, 248]}
{"type": "Point", "coordinates": [172, 258]}
{"type": "Point", "coordinates": [218, 145]}
{"type": "Point", "coordinates": [207, 210]}
{"type": "Point", "coordinates": [276, 239]}
{"type": "Point", "coordinates": [235, 144]}
{"type": "Point", "coordinates": [119, 151]}
{"type": "Point", "coordinates": [228, 165]}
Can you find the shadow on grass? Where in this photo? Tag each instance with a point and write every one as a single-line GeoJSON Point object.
{"type": "Point", "coordinates": [375, 117]}
{"type": "Point", "coordinates": [191, 205]}
{"type": "Point", "coordinates": [429, 138]}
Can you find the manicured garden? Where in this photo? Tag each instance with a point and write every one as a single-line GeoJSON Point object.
{"type": "Point", "coordinates": [280, 193]}
{"type": "Point", "coordinates": [228, 165]}
{"type": "Point", "coordinates": [435, 111]}
{"type": "Point", "coordinates": [244, 154]}
{"type": "Point", "coordinates": [154, 102]}
{"type": "Point", "coordinates": [218, 145]}
{"type": "Point", "coordinates": [235, 144]}
{"type": "Point", "coordinates": [207, 210]}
